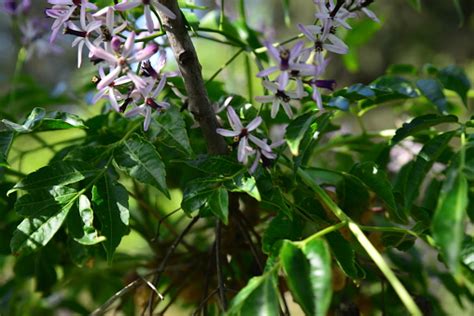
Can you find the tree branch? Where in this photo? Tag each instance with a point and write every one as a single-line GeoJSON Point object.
{"type": "Point", "coordinates": [190, 68]}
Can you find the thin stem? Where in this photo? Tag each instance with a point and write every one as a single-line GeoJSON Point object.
{"type": "Point", "coordinates": [220, 279]}
{"type": "Point", "coordinates": [323, 232]}
{"type": "Point", "coordinates": [248, 72]}
{"type": "Point", "coordinates": [373, 253]}
{"type": "Point", "coordinates": [221, 18]}
{"type": "Point", "coordinates": [165, 260]}
{"type": "Point", "coordinates": [227, 63]}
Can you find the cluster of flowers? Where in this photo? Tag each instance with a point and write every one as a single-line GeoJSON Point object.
{"type": "Point", "coordinates": [132, 82]}
{"type": "Point", "coordinates": [301, 65]}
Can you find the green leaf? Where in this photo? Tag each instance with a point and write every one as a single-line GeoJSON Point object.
{"type": "Point", "coordinates": [433, 91]}
{"type": "Point", "coordinates": [141, 161]}
{"type": "Point", "coordinates": [191, 20]}
{"type": "Point", "coordinates": [110, 200]}
{"type": "Point", "coordinates": [246, 184]}
{"type": "Point", "coordinates": [197, 193]}
{"type": "Point", "coordinates": [170, 129]}
{"type": "Point", "coordinates": [421, 123]}
{"type": "Point", "coordinates": [258, 297]}
{"type": "Point", "coordinates": [355, 92]}
{"type": "Point", "coordinates": [280, 228]}
{"type": "Point", "coordinates": [389, 88]}
{"type": "Point", "coordinates": [297, 129]}
{"type": "Point", "coordinates": [448, 221]}
{"type": "Point", "coordinates": [81, 223]}
{"type": "Point", "coordinates": [402, 69]}
{"type": "Point", "coordinates": [36, 231]}
{"type": "Point", "coordinates": [339, 102]}
{"type": "Point", "coordinates": [219, 204]}
{"type": "Point", "coordinates": [377, 181]}
{"type": "Point", "coordinates": [58, 173]}
{"type": "Point", "coordinates": [6, 139]}
{"type": "Point", "coordinates": [455, 79]}
{"type": "Point", "coordinates": [308, 271]}
{"type": "Point", "coordinates": [34, 204]}
{"type": "Point", "coordinates": [467, 252]}
{"type": "Point", "coordinates": [215, 164]}
{"type": "Point", "coordinates": [38, 120]}
{"type": "Point", "coordinates": [345, 256]}
{"type": "Point", "coordinates": [423, 163]}
{"type": "Point", "coordinates": [353, 195]}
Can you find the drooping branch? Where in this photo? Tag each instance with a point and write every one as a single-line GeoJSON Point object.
{"type": "Point", "coordinates": [190, 68]}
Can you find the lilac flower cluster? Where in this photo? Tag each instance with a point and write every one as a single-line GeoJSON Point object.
{"type": "Point", "coordinates": [296, 67]}
{"type": "Point", "coordinates": [130, 65]}
{"type": "Point", "coordinates": [127, 76]}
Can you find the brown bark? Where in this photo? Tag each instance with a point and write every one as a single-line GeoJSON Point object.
{"type": "Point", "coordinates": [190, 68]}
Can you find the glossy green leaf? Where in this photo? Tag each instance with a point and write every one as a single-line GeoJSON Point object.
{"type": "Point", "coordinates": [448, 221]}
{"type": "Point", "coordinates": [219, 204]}
{"type": "Point", "coordinates": [170, 129]}
{"type": "Point", "coordinates": [297, 129]}
{"type": "Point", "coordinates": [246, 184]}
{"type": "Point", "coordinates": [421, 123]}
{"type": "Point", "coordinates": [345, 256]}
{"type": "Point", "coordinates": [34, 204]}
{"type": "Point", "coordinates": [308, 273]}
{"type": "Point", "coordinates": [423, 163]}
{"type": "Point", "coordinates": [454, 78]}
{"type": "Point", "coordinates": [110, 201]}
{"type": "Point", "coordinates": [81, 223]}
{"type": "Point", "coordinates": [58, 173]}
{"type": "Point", "coordinates": [377, 180]}
{"type": "Point", "coordinates": [36, 231]}
{"type": "Point", "coordinates": [197, 193]}
{"type": "Point", "coordinates": [339, 102]}
{"type": "Point", "coordinates": [216, 165]}
{"type": "Point", "coordinates": [389, 88]}
{"type": "Point", "coordinates": [281, 227]}
{"type": "Point", "coordinates": [141, 161]}
{"type": "Point", "coordinates": [353, 195]}
{"type": "Point", "coordinates": [258, 297]}
{"type": "Point", "coordinates": [433, 91]}
{"type": "Point", "coordinates": [38, 120]}
{"type": "Point", "coordinates": [467, 252]}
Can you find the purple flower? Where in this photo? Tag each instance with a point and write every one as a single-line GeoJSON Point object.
{"type": "Point", "coordinates": [280, 97]}
{"type": "Point", "coordinates": [242, 135]}
{"type": "Point", "coordinates": [123, 60]}
{"type": "Point", "coordinates": [129, 4]}
{"type": "Point", "coordinates": [149, 95]}
{"type": "Point", "coordinates": [62, 11]}
{"type": "Point", "coordinates": [325, 14]}
{"type": "Point", "coordinates": [288, 62]}
{"type": "Point", "coordinates": [82, 34]}
{"type": "Point", "coordinates": [323, 40]}
{"type": "Point", "coordinates": [110, 91]}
